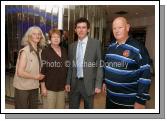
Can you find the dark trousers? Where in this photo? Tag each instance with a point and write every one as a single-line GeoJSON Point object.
{"type": "Point", "coordinates": [78, 93]}
{"type": "Point", "coordinates": [26, 99]}
{"type": "Point", "coordinates": [111, 105]}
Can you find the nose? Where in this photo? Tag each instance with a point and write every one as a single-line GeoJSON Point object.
{"type": "Point", "coordinates": [116, 30]}
{"type": "Point", "coordinates": [37, 35]}
{"type": "Point", "coordinates": [80, 29]}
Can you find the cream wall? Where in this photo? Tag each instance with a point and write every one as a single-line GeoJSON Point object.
{"type": "Point", "coordinates": [149, 23]}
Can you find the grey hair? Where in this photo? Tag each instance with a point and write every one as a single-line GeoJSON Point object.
{"type": "Point", "coordinates": [25, 39]}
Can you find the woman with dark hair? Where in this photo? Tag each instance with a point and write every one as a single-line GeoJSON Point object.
{"type": "Point", "coordinates": [53, 59]}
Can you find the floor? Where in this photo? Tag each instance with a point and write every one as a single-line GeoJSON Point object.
{"type": "Point", "coordinates": [99, 102]}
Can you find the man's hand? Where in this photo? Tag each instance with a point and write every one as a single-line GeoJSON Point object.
{"type": "Point", "coordinates": [67, 88]}
{"type": "Point", "coordinates": [139, 106]}
{"type": "Point", "coordinates": [97, 90]}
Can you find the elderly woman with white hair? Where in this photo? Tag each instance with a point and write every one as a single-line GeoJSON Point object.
{"type": "Point", "coordinates": [27, 75]}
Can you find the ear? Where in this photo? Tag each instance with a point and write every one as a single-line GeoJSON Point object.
{"type": "Point", "coordinates": [127, 27]}
{"type": "Point", "coordinates": [75, 30]}
{"type": "Point", "coordinates": [88, 30]}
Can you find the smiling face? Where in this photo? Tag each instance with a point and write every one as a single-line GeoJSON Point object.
{"type": "Point", "coordinates": [82, 30]}
{"type": "Point", "coordinates": [35, 36]}
{"type": "Point", "coordinates": [120, 29]}
{"type": "Point", "coordinates": [55, 39]}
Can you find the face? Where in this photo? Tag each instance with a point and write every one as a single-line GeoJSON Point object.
{"type": "Point", "coordinates": [120, 29]}
{"type": "Point", "coordinates": [82, 30]}
{"type": "Point", "coordinates": [65, 35]}
{"type": "Point", "coordinates": [55, 39]}
{"type": "Point", "coordinates": [36, 36]}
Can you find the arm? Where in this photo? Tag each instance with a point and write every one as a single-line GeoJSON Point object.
{"type": "Point", "coordinates": [144, 80]}
{"type": "Point", "coordinates": [43, 89]}
{"type": "Point", "coordinates": [69, 74]}
{"type": "Point", "coordinates": [104, 87]}
{"type": "Point", "coordinates": [99, 76]}
{"type": "Point", "coordinates": [43, 68]}
{"type": "Point", "coordinates": [43, 71]}
{"type": "Point", "coordinates": [21, 68]}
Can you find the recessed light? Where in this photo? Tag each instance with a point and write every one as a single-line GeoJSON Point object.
{"type": "Point", "coordinates": [121, 12]}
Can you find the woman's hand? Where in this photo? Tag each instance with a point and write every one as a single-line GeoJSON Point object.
{"type": "Point", "coordinates": [39, 76]}
{"type": "Point", "coordinates": [44, 91]}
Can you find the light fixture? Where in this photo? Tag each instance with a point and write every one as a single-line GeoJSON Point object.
{"type": "Point", "coordinates": [121, 12]}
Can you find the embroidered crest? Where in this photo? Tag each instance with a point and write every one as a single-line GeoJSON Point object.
{"type": "Point", "coordinates": [126, 53]}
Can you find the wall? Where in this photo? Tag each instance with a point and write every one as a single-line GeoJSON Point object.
{"type": "Point", "coordinates": [149, 23]}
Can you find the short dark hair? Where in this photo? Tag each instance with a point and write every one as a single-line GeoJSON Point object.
{"type": "Point", "coordinates": [82, 20]}
{"type": "Point", "coordinates": [54, 30]}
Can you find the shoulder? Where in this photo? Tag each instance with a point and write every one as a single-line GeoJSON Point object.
{"type": "Point", "coordinates": [112, 43]}
{"type": "Point", "coordinates": [64, 50]}
{"type": "Point", "coordinates": [73, 44]}
{"type": "Point", "coordinates": [46, 49]}
{"type": "Point", "coordinates": [23, 53]}
{"type": "Point", "coordinates": [133, 42]}
{"type": "Point", "coordinates": [24, 50]}
{"type": "Point", "coordinates": [134, 45]}
{"type": "Point", "coordinates": [95, 42]}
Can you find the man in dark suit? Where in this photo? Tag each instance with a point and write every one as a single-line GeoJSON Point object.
{"type": "Point", "coordinates": [85, 74]}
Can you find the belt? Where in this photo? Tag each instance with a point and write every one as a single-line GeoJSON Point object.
{"type": "Point", "coordinates": [79, 78]}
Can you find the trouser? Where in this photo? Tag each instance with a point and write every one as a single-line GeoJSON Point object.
{"type": "Point", "coordinates": [78, 93]}
{"type": "Point", "coordinates": [26, 99]}
{"type": "Point", "coordinates": [112, 105]}
{"type": "Point", "coordinates": [54, 100]}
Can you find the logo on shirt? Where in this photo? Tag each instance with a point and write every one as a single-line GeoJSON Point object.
{"type": "Point", "coordinates": [126, 53]}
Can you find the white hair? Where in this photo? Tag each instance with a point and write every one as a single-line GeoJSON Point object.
{"type": "Point", "coordinates": [25, 39]}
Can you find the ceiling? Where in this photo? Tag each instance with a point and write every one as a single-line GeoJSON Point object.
{"type": "Point", "coordinates": [133, 11]}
